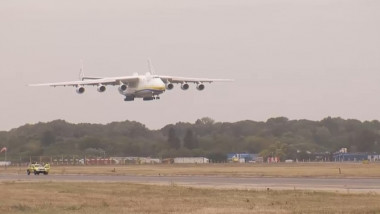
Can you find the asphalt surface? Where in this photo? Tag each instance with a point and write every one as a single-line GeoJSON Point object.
{"type": "Point", "coordinates": [259, 183]}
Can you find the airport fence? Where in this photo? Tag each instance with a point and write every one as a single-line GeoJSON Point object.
{"type": "Point", "coordinates": [78, 160]}
{"type": "Point", "coordinates": [59, 160]}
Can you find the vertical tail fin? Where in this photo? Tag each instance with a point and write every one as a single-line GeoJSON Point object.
{"type": "Point", "coordinates": [151, 68]}
{"type": "Point", "coordinates": [81, 71]}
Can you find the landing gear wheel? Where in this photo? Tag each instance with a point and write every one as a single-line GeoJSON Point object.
{"type": "Point", "coordinates": [27, 172]}
{"type": "Point", "coordinates": [129, 98]}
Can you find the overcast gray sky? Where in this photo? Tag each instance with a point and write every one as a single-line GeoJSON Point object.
{"type": "Point", "coordinates": [302, 59]}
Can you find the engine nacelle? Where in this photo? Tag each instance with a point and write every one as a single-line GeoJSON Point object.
{"type": "Point", "coordinates": [101, 88]}
{"type": "Point", "coordinates": [169, 86]}
{"type": "Point", "coordinates": [200, 87]}
{"type": "Point", "coordinates": [80, 90]}
{"type": "Point", "coordinates": [123, 87]}
{"type": "Point", "coordinates": [185, 86]}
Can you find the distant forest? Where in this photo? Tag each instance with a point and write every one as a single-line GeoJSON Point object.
{"type": "Point", "coordinates": [281, 137]}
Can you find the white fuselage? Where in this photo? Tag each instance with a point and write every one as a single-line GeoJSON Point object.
{"type": "Point", "coordinates": [146, 86]}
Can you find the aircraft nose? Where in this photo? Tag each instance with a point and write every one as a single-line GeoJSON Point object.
{"type": "Point", "coordinates": [162, 86]}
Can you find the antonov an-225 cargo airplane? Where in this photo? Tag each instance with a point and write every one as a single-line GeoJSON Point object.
{"type": "Point", "coordinates": [148, 86]}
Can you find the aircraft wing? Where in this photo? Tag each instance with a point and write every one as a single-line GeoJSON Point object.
{"type": "Point", "coordinates": [102, 81]}
{"type": "Point", "coordinates": [173, 79]}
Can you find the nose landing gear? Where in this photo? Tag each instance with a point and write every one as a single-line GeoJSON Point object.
{"type": "Point", "coordinates": [129, 98]}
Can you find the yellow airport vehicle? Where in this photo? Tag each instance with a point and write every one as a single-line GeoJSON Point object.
{"type": "Point", "coordinates": [36, 169]}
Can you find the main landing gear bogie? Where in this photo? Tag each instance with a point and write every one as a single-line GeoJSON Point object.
{"type": "Point", "coordinates": [129, 98]}
{"type": "Point", "coordinates": [144, 98]}
{"type": "Point", "coordinates": [151, 98]}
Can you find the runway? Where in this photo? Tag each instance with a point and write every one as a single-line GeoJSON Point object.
{"type": "Point", "coordinates": [252, 183]}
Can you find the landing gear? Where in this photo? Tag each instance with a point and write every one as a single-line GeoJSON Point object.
{"type": "Point", "coordinates": [148, 98]}
{"type": "Point", "coordinates": [151, 98]}
{"type": "Point", "coordinates": [129, 98]}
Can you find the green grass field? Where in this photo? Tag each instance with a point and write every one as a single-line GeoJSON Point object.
{"type": "Point", "coordinates": [83, 198]}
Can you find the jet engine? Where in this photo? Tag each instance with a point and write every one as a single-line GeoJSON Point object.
{"type": "Point", "coordinates": [169, 86]}
{"type": "Point", "coordinates": [101, 88]}
{"type": "Point", "coordinates": [185, 86]}
{"type": "Point", "coordinates": [200, 87]}
{"type": "Point", "coordinates": [80, 90]}
{"type": "Point", "coordinates": [123, 87]}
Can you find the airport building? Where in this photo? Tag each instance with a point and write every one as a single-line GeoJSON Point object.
{"type": "Point", "coordinates": [343, 155]}
{"type": "Point", "coordinates": [191, 160]}
{"type": "Point", "coordinates": [134, 160]}
{"type": "Point", "coordinates": [340, 157]}
{"type": "Point", "coordinates": [242, 158]}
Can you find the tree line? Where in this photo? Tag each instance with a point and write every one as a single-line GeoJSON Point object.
{"type": "Point", "coordinates": [280, 137]}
